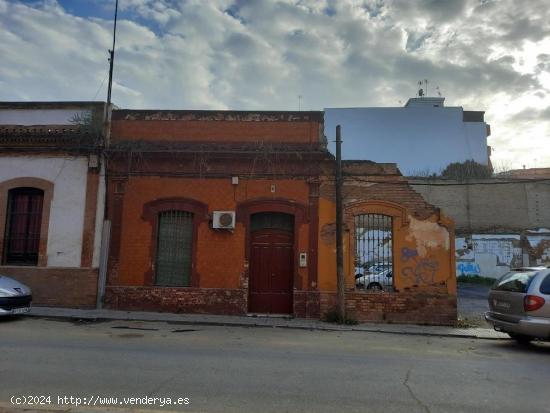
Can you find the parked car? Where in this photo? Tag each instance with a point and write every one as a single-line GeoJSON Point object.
{"type": "Point", "coordinates": [15, 298]}
{"type": "Point", "coordinates": [519, 304]}
{"type": "Point", "coordinates": [372, 269]}
{"type": "Point", "coordinates": [380, 281]}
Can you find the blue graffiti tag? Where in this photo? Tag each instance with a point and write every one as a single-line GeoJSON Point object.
{"type": "Point", "coordinates": [422, 273]}
{"type": "Point", "coordinates": [407, 253]}
{"type": "Point", "coordinates": [467, 268]}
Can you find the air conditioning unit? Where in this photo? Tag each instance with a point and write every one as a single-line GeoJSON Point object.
{"type": "Point", "coordinates": [223, 219]}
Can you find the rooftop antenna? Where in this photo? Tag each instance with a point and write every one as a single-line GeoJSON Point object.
{"type": "Point", "coordinates": [299, 103]}
{"type": "Point", "coordinates": [420, 91]}
{"type": "Point", "coordinates": [426, 82]}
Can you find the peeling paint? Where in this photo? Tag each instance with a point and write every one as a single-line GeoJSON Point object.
{"type": "Point", "coordinates": [427, 235]}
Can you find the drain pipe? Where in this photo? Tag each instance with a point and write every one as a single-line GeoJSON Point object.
{"type": "Point", "coordinates": [339, 231]}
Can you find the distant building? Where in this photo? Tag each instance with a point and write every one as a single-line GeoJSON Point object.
{"type": "Point", "coordinates": [423, 137]}
{"type": "Point", "coordinates": [529, 173]}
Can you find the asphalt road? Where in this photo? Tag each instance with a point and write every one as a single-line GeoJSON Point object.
{"type": "Point", "coordinates": [234, 369]}
{"type": "Point", "coordinates": [472, 303]}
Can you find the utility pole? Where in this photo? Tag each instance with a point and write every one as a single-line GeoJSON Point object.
{"type": "Point", "coordinates": [339, 231]}
{"type": "Point", "coordinates": [106, 230]}
{"type": "Point", "coordinates": [108, 109]}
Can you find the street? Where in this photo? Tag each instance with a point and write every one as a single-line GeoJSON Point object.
{"type": "Point", "coordinates": [235, 369]}
{"type": "Point", "coordinates": [472, 303]}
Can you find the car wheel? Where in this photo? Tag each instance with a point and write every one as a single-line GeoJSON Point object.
{"type": "Point", "coordinates": [521, 339]}
{"type": "Point", "coordinates": [374, 287]}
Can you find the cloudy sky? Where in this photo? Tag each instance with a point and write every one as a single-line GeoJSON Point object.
{"type": "Point", "coordinates": [491, 55]}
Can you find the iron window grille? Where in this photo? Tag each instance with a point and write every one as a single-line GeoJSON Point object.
{"type": "Point", "coordinates": [174, 249]}
{"type": "Point", "coordinates": [373, 252]}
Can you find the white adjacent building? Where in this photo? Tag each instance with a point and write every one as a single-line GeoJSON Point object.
{"type": "Point", "coordinates": [423, 137]}
{"type": "Point", "coordinates": [52, 197]}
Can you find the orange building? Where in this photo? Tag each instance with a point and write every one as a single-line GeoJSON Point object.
{"type": "Point", "coordinates": [213, 212]}
{"type": "Point", "coordinates": [398, 249]}
{"type": "Point", "coordinates": [233, 212]}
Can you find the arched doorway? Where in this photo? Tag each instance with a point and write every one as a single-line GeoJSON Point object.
{"type": "Point", "coordinates": [271, 263]}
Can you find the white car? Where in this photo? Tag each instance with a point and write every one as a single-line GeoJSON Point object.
{"type": "Point", "coordinates": [380, 281]}
{"type": "Point", "coordinates": [15, 298]}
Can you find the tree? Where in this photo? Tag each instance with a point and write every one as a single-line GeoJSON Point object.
{"type": "Point", "coordinates": [466, 170]}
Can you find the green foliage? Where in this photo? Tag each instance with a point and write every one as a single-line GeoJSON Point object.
{"type": "Point", "coordinates": [88, 122]}
{"type": "Point", "coordinates": [334, 317]}
{"type": "Point", "coordinates": [466, 170]}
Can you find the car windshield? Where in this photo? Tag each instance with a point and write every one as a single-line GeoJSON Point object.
{"type": "Point", "coordinates": [515, 281]}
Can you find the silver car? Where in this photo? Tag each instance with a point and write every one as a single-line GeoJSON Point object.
{"type": "Point", "coordinates": [377, 282]}
{"type": "Point", "coordinates": [519, 304]}
{"type": "Point", "coordinates": [15, 298]}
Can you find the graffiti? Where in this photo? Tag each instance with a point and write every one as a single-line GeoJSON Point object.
{"type": "Point", "coordinates": [418, 271]}
{"type": "Point", "coordinates": [408, 253]}
{"type": "Point", "coordinates": [422, 273]}
{"type": "Point", "coordinates": [467, 268]}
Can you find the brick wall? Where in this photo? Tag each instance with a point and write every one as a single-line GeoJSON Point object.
{"type": "Point", "coordinates": [433, 308]}
{"type": "Point", "coordinates": [217, 126]}
{"type": "Point", "coordinates": [306, 304]}
{"type": "Point", "coordinates": [177, 300]}
{"type": "Point", "coordinates": [58, 287]}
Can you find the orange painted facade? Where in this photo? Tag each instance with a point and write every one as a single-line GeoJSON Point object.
{"type": "Point", "coordinates": [422, 249]}
{"type": "Point", "coordinates": [220, 258]}
{"type": "Point", "coordinates": [187, 160]}
{"type": "Point", "coordinates": [183, 160]}
{"type": "Point", "coordinates": [418, 246]}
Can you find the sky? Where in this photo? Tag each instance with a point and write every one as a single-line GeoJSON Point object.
{"type": "Point", "coordinates": [489, 55]}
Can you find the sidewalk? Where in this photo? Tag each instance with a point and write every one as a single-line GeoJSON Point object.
{"type": "Point", "coordinates": [263, 321]}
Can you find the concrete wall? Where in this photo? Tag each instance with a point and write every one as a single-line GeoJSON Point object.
{"type": "Point", "coordinates": [499, 224]}
{"type": "Point", "coordinates": [69, 175]}
{"type": "Point", "coordinates": [418, 139]}
{"type": "Point", "coordinates": [490, 205]}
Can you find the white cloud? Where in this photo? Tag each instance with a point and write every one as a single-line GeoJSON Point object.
{"type": "Point", "coordinates": [483, 54]}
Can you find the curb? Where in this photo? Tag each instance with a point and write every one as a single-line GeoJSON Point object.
{"type": "Point", "coordinates": [370, 329]}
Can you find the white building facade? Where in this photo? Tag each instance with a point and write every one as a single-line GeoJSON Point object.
{"type": "Point", "coordinates": [423, 137]}
{"type": "Point", "coordinates": [52, 197]}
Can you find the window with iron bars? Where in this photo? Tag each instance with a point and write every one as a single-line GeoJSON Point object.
{"type": "Point", "coordinates": [373, 252]}
{"type": "Point", "coordinates": [174, 249]}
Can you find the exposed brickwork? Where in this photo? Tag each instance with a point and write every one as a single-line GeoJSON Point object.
{"type": "Point", "coordinates": [177, 300]}
{"type": "Point", "coordinates": [58, 287]}
{"type": "Point", "coordinates": [306, 304]}
{"type": "Point", "coordinates": [403, 307]}
{"type": "Point", "coordinates": [372, 188]}
{"type": "Point", "coordinates": [219, 131]}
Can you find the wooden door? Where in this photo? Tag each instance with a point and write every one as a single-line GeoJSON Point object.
{"type": "Point", "coordinates": [271, 271]}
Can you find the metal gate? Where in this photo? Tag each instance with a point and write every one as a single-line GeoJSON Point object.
{"type": "Point", "coordinates": [174, 249]}
{"type": "Point", "coordinates": [373, 252]}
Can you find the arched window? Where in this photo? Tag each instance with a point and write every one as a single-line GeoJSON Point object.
{"type": "Point", "coordinates": [23, 222]}
{"type": "Point", "coordinates": [174, 248]}
{"type": "Point", "coordinates": [373, 252]}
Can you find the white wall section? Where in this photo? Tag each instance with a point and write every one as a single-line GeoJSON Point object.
{"type": "Point", "coordinates": [68, 175]}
